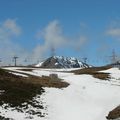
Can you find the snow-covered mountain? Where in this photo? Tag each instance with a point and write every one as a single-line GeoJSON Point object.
{"type": "Point", "coordinates": [62, 62]}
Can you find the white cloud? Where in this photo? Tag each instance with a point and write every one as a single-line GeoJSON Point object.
{"type": "Point", "coordinates": [12, 27]}
{"type": "Point", "coordinates": [38, 52]}
{"type": "Point", "coordinates": [83, 25]}
{"type": "Point", "coordinates": [53, 36]}
{"type": "Point", "coordinates": [9, 29]}
{"type": "Point", "coordinates": [114, 29]}
{"type": "Point", "coordinates": [80, 42]}
{"type": "Point", "coordinates": [115, 32]}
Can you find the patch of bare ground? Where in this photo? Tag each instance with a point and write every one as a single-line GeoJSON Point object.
{"type": "Point", "coordinates": [26, 69]}
{"type": "Point", "coordinates": [3, 118]}
{"type": "Point", "coordinates": [48, 82]}
{"type": "Point", "coordinates": [114, 114]}
{"type": "Point", "coordinates": [94, 71]}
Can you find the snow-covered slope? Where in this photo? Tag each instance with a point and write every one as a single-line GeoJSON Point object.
{"type": "Point", "coordinates": [86, 98]}
{"type": "Point", "coordinates": [39, 64]}
{"type": "Point", "coordinates": [62, 62]}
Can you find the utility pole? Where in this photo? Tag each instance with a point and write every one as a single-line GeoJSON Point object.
{"type": "Point", "coordinates": [52, 51]}
{"type": "Point", "coordinates": [113, 57]}
{"type": "Point", "coordinates": [15, 60]}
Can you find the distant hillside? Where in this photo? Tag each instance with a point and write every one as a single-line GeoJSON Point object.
{"type": "Point", "coordinates": [62, 62]}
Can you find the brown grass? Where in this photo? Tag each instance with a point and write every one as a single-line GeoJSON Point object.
{"type": "Point", "coordinates": [18, 90]}
{"type": "Point", "coordinates": [43, 81]}
{"type": "Point", "coordinates": [94, 71]}
{"type": "Point", "coordinates": [26, 69]}
{"type": "Point", "coordinates": [114, 114]}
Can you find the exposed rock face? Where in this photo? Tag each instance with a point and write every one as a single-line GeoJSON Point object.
{"type": "Point", "coordinates": [114, 114]}
{"type": "Point", "coordinates": [62, 62]}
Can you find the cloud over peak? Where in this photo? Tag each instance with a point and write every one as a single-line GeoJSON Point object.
{"type": "Point", "coordinates": [53, 36]}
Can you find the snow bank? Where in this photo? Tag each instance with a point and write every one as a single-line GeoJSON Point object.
{"type": "Point", "coordinates": [18, 74]}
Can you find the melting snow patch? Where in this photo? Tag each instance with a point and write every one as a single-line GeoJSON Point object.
{"type": "Point", "coordinates": [18, 74]}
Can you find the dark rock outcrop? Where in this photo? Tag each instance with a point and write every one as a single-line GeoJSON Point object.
{"type": "Point", "coordinates": [114, 114]}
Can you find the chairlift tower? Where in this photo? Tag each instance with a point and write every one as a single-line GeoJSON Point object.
{"type": "Point", "coordinates": [113, 57]}
{"type": "Point", "coordinates": [15, 60]}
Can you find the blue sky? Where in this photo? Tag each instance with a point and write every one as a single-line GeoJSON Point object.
{"type": "Point", "coordinates": [80, 28]}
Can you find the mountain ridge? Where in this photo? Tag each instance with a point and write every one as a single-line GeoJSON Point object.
{"type": "Point", "coordinates": [62, 62]}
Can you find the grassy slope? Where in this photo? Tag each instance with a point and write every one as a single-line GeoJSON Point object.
{"type": "Point", "coordinates": [94, 71]}
{"type": "Point", "coordinates": [18, 90]}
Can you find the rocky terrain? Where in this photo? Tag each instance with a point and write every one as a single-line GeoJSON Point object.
{"type": "Point", "coordinates": [62, 62]}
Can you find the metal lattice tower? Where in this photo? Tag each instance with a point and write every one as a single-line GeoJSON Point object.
{"type": "Point", "coordinates": [15, 60]}
{"type": "Point", "coordinates": [113, 57]}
